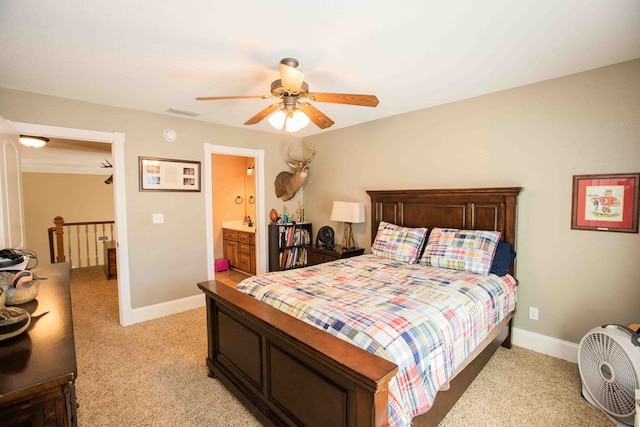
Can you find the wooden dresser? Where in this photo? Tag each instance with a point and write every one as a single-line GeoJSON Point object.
{"type": "Point", "coordinates": [38, 367]}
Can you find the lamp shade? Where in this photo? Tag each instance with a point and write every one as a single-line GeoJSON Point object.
{"type": "Point", "coordinates": [292, 120]}
{"type": "Point", "coordinates": [296, 120]}
{"type": "Point", "coordinates": [352, 212]}
{"type": "Point", "coordinates": [291, 77]}
{"type": "Point", "coordinates": [277, 119]}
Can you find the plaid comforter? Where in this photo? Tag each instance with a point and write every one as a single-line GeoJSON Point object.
{"type": "Point", "coordinates": [427, 320]}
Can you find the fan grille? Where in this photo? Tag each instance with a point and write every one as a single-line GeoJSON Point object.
{"type": "Point", "coordinates": [608, 374]}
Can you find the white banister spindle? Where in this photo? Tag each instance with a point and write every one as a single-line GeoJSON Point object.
{"type": "Point", "coordinates": [95, 242]}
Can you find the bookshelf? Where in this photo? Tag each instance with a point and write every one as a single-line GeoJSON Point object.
{"type": "Point", "coordinates": [287, 245]}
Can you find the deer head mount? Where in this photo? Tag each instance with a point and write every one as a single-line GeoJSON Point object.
{"type": "Point", "coordinates": [287, 183]}
{"type": "Point", "coordinates": [107, 165]}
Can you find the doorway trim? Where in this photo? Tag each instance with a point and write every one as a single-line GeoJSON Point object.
{"type": "Point", "coordinates": [116, 139]}
{"type": "Point", "coordinates": [261, 235]}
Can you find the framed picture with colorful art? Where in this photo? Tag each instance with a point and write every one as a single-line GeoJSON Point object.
{"type": "Point", "coordinates": [605, 202]}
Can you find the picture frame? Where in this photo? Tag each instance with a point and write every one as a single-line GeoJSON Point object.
{"type": "Point", "coordinates": [605, 202]}
{"type": "Point", "coordinates": [157, 174]}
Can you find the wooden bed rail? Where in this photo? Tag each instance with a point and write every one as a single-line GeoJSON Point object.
{"type": "Point", "coordinates": [83, 241]}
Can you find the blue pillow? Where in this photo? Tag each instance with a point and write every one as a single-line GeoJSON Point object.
{"type": "Point", "coordinates": [504, 257]}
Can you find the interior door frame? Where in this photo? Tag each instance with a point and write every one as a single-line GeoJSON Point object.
{"type": "Point", "coordinates": [116, 139]}
{"type": "Point", "coordinates": [12, 229]}
{"type": "Point", "coordinates": [260, 221]}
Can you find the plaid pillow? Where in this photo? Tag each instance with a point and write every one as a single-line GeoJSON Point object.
{"type": "Point", "coordinates": [468, 250]}
{"type": "Point", "coordinates": [398, 243]}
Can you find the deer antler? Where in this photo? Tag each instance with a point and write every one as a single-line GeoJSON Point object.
{"type": "Point", "coordinates": [313, 153]}
{"type": "Point", "coordinates": [107, 166]}
{"type": "Point", "coordinates": [289, 153]}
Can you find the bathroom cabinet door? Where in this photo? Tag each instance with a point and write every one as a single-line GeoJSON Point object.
{"type": "Point", "coordinates": [231, 252]}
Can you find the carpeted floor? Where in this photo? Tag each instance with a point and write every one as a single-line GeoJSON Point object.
{"type": "Point", "coordinates": [154, 374]}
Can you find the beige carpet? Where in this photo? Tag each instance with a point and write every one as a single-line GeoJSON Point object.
{"type": "Point", "coordinates": [154, 374]}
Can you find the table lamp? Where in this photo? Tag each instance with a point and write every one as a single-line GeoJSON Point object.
{"type": "Point", "coordinates": [349, 213]}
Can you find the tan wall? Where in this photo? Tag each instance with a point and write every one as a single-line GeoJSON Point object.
{"type": "Point", "coordinates": [165, 260]}
{"type": "Point", "coordinates": [537, 137]}
{"type": "Point", "coordinates": [75, 197]}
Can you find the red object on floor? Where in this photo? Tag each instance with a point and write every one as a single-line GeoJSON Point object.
{"type": "Point", "coordinates": [221, 265]}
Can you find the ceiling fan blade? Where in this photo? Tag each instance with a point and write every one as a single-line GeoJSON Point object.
{"type": "Point", "coordinates": [345, 98]}
{"type": "Point", "coordinates": [263, 113]}
{"type": "Point", "coordinates": [291, 77]}
{"type": "Point", "coordinates": [316, 116]}
{"type": "Point", "coordinates": [218, 98]}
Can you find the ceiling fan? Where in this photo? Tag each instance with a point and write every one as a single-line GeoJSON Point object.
{"type": "Point", "coordinates": [291, 111]}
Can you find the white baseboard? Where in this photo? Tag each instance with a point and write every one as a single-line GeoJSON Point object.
{"type": "Point", "coordinates": [165, 309]}
{"type": "Point", "coordinates": [547, 345]}
{"type": "Point", "coordinates": [530, 340]}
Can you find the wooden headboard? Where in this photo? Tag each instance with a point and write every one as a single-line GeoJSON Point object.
{"type": "Point", "coordinates": [469, 209]}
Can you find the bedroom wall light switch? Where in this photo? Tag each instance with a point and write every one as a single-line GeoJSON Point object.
{"type": "Point", "coordinates": [533, 313]}
{"type": "Point", "coordinates": [158, 218]}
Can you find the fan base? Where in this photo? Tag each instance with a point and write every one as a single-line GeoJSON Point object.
{"type": "Point", "coordinates": [586, 396]}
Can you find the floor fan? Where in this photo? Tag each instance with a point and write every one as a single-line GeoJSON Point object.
{"type": "Point", "coordinates": [609, 364]}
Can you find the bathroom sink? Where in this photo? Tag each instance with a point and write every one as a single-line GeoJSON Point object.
{"type": "Point", "coordinates": [238, 226]}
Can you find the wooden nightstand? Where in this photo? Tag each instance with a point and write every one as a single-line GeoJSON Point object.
{"type": "Point", "coordinates": [320, 255]}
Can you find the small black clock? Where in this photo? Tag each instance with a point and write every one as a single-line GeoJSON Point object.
{"type": "Point", "coordinates": [325, 238]}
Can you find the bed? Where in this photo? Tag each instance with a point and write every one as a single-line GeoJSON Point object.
{"type": "Point", "coordinates": [289, 372]}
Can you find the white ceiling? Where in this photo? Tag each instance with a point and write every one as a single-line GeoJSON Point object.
{"type": "Point", "coordinates": [154, 55]}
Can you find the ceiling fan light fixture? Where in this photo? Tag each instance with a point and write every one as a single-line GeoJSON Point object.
{"type": "Point", "coordinates": [33, 141]}
{"type": "Point", "coordinates": [277, 119]}
{"type": "Point", "coordinates": [296, 120]}
{"type": "Point", "coordinates": [291, 120]}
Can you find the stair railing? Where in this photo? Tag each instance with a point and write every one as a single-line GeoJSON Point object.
{"type": "Point", "coordinates": [81, 243]}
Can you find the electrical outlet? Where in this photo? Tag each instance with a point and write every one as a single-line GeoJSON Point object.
{"type": "Point", "coordinates": [158, 218]}
{"type": "Point", "coordinates": [533, 313]}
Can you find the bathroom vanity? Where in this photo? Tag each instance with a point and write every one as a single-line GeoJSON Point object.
{"type": "Point", "coordinates": [239, 246]}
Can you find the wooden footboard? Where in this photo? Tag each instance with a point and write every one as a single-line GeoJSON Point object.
{"type": "Point", "coordinates": [290, 373]}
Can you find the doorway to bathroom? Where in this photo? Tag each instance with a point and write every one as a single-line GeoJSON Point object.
{"type": "Point", "coordinates": [234, 189]}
